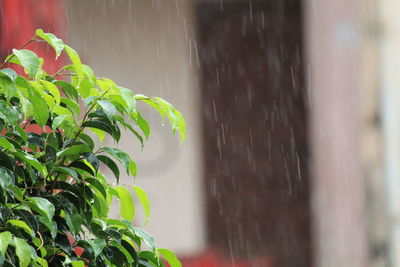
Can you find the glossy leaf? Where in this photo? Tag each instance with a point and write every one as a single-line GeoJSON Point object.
{"type": "Point", "coordinates": [42, 262]}
{"type": "Point", "coordinates": [23, 225]}
{"type": "Point", "coordinates": [40, 109]}
{"type": "Point", "coordinates": [142, 123]}
{"type": "Point", "coordinates": [73, 150]}
{"type": "Point", "coordinates": [76, 61]}
{"type": "Point", "coordinates": [42, 206]}
{"type": "Point", "coordinates": [122, 157]}
{"type": "Point", "coordinates": [131, 129]}
{"type": "Point", "coordinates": [68, 89]}
{"type": "Point", "coordinates": [5, 238]}
{"type": "Point", "coordinates": [110, 164]}
{"type": "Point", "coordinates": [52, 88]}
{"type": "Point", "coordinates": [98, 185]}
{"type": "Point", "coordinates": [6, 178]}
{"type": "Point", "coordinates": [5, 144]}
{"type": "Point", "coordinates": [147, 238]}
{"type": "Point", "coordinates": [8, 113]}
{"type": "Point", "coordinates": [170, 257]}
{"type": "Point", "coordinates": [108, 108]}
{"type": "Point", "coordinates": [144, 200]}
{"type": "Point", "coordinates": [29, 60]}
{"type": "Point", "coordinates": [127, 208]}
{"type": "Point", "coordinates": [129, 98]}
{"type": "Point", "coordinates": [52, 40]}
{"type": "Point", "coordinates": [101, 125]}
{"type": "Point", "coordinates": [67, 171]}
{"type": "Point", "coordinates": [77, 263]}
{"type": "Point", "coordinates": [174, 116]}
{"type": "Point", "coordinates": [57, 121]}
{"type": "Point", "coordinates": [23, 251]}
{"type": "Point", "coordinates": [9, 73]}
{"type": "Point", "coordinates": [97, 246]}
{"type": "Point", "coordinates": [32, 161]}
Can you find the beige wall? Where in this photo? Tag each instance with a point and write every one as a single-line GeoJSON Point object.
{"type": "Point", "coordinates": [148, 46]}
{"type": "Point", "coordinates": [338, 186]}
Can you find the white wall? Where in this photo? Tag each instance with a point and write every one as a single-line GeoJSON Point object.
{"type": "Point", "coordinates": [147, 46]}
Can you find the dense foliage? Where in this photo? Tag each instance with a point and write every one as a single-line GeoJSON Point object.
{"type": "Point", "coordinates": [53, 196]}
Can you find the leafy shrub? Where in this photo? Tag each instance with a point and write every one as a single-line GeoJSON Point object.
{"type": "Point", "coordinates": [53, 197]}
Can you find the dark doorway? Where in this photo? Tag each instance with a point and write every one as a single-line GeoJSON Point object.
{"type": "Point", "coordinates": [255, 129]}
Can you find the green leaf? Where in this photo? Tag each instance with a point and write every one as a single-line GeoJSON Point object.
{"type": "Point", "coordinates": [29, 60]}
{"type": "Point", "coordinates": [7, 87]}
{"type": "Point", "coordinates": [5, 238]}
{"type": "Point", "coordinates": [89, 73]}
{"type": "Point", "coordinates": [71, 105]}
{"type": "Point", "coordinates": [108, 108]}
{"type": "Point", "coordinates": [144, 200]}
{"type": "Point", "coordinates": [76, 61]}
{"type": "Point", "coordinates": [21, 133]}
{"type": "Point", "coordinates": [42, 206]}
{"type": "Point", "coordinates": [142, 123]}
{"type": "Point", "coordinates": [67, 171]}
{"type": "Point", "coordinates": [87, 139]}
{"type": "Point", "coordinates": [84, 88]}
{"type": "Point", "coordinates": [6, 178]}
{"type": "Point", "coordinates": [97, 246]}
{"type": "Point", "coordinates": [57, 121]}
{"type": "Point", "coordinates": [170, 257]}
{"type": "Point", "coordinates": [68, 89]}
{"type": "Point", "coordinates": [60, 110]}
{"type": "Point", "coordinates": [52, 88]}
{"type": "Point", "coordinates": [99, 186]}
{"type": "Point", "coordinates": [74, 150]}
{"type": "Point", "coordinates": [130, 128]}
{"type": "Point", "coordinates": [18, 193]}
{"type": "Point", "coordinates": [23, 251]}
{"type": "Point", "coordinates": [32, 161]}
{"type": "Point", "coordinates": [83, 165]}
{"type": "Point", "coordinates": [103, 126]}
{"type": "Point", "coordinates": [40, 89]}
{"type": "Point", "coordinates": [42, 262]}
{"type": "Point", "coordinates": [8, 113]}
{"type": "Point", "coordinates": [40, 109]}
{"type": "Point", "coordinates": [152, 103]}
{"type": "Point", "coordinates": [93, 160]}
{"type": "Point", "coordinates": [151, 259]}
{"type": "Point", "coordinates": [123, 158]}
{"type": "Point", "coordinates": [174, 116]}
{"type": "Point", "coordinates": [23, 225]}
{"type": "Point", "coordinates": [147, 238]}
{"type": "Point", "coordinates": [129, 98]}
{"type": "Point", "coordinates": [116, 256]}
{"type": "Point", "coordinates": [9, 73]}
{"type": "Point", "coordinates": [126, 205]}
{"type": "Point", "coordinates": [4, 143]}
{"type": "Point", "coordinates": [129, 245]}
{"type": "Point", "coordinates": [77, 263]}
{"type": "Point", "coordinates": [110, 164]}
{"type": "Point", "coordinates": [132, 168]}
{"type": "Point", "coordinates": [52, 40]}
{"type": "Point", "coordinates": [181, 125]}
{"type": "Point", "coordinates": [74, 222]}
